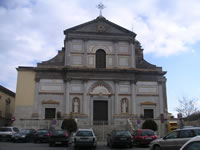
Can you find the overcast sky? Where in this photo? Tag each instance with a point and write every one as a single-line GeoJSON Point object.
{"type": "Point", "coordinates": [31, 31]}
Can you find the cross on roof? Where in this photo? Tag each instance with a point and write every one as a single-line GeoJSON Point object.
{"type": "Point", "coordinates": [101, 6]}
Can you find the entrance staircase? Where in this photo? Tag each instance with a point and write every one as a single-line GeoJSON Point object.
{"type": "Point", "coordinates": [102, 130]}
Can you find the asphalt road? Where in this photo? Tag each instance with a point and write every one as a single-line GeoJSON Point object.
{"type": "Point", "coordinates": [44, 146]}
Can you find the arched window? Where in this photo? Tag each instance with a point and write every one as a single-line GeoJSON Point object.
{"type": "Point", "coordinates": [100, 59]}
{"type": "Point", "coordinates": [124, 105]}
{"type": "Point", "coordinates": [76, 105]}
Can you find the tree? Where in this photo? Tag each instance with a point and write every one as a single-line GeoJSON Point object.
{"type": "Point", "coordinates": [69, 124]}
{"type": "Point", "coordinates": [150, 124]}
{"type": "Point", "coordinates": [187, 106]}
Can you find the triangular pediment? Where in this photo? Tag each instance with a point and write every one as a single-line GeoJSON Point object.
{"type": "Point", "coordinates": [100, 25]}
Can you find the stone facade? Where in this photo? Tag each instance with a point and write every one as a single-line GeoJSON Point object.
{"type": "Point", "coordinates": [74, 82]}
{"type": "Point", "coordinates": [7, 103]}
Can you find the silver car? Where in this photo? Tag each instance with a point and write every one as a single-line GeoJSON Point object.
{"type": "Point", "coordinates": [175, 139]}
{"type": "Point", "coordinates": [85, 138]}
{"type": "Point", "coordinates": [6, 133]}
{"type": "Point", "coordinates": [192, 144]}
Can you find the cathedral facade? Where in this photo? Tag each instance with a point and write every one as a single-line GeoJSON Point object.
{"type": "Point", "coordinates": [99, 77]}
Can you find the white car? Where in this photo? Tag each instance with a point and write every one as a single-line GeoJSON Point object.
{"type": "Point", "coordinates": [192, 144]}
{"type": "Point", "coordinates": [85, 138]}
{"type": "Point", "coordinates": [7, 133]}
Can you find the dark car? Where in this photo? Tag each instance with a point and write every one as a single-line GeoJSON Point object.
{"type": "Point", "coordinates": [25, 135]}
{"type": "Point", "coordinates": [42, 135]}
{"type": "Point", "coordinates": [120, 138]}
{"type": "Point", "coordinates": [6, 133]}
{"type": "Point", "coordinates": [175, 139]}
{"type": "Point", "coordinates": [143, 137]}
{"type": "Point", "coordinates": [59, 137]}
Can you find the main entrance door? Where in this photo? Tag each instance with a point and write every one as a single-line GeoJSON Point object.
{"type": "Point", "coordinates": [100, 112]}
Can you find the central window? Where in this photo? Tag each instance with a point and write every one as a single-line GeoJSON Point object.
{"type": "Point", "coordinates": [50, 113]}
{"type": "Point", "coordinates": [148, 114]}
{"type": "Point", "coordinates": [100, 59]}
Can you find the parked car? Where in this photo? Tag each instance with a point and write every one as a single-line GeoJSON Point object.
{"type": "Point", "coordinates": [120, 138]}
{"type": "Point", "coordinates": [85, 138]}
{"type": "Point", "coordinates": [175, 139]}
{"type": "Point", "coordinates": [72, 137]}
{"type": "Point", "coordinates": [42, 135]}
{"type": "Point", "coordinates": [25, 135]}
{"type": "Point", "coordinates": [6, 133]}
{"type": "Point", "coordinates": [143, 137]}
{"type": "Point", "coordinates": [59, 137]}
{"type": "Point", "coordinates": [192, 144]}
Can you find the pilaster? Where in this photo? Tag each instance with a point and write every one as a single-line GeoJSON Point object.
{"type": "Point", "coordinates": [160, 89]}
{"type": "Point", "coordinates": [85, 53]}
{"type": "Point", "coordinates": [133, 98]}
{"type": "Point", "coordinates": [132, 47]}
{"type": "Point", "coordinates": [85, 99]}
{"type": "Point", "coordinates": [116, 101]}
{"type": "Point", "coordinates": [68, 106]}
{"type": "Point", "coordinates": [68, 53]}
{"type": "Point", "coordinates": [115, 54]}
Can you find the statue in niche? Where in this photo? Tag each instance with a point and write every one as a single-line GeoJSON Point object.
{"type": "Point", "coordinates": [124, 106]}
{"type": "Point", "coordinates": [76, 105]}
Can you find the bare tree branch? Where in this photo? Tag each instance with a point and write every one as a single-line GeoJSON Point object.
{"type": "Point", "coordinates": [187, 106]}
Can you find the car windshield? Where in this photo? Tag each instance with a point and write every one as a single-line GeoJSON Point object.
{"type": "Point", "coordinates": [5, 129]}
{"type": "Point", "coordinates": [16, 129]}
{"type": "Point", "coordinates": [84, 133]}
{"type": "Point", "coordinates": [25, 131]}
{"type": "Point", "coordinates": [197, 131]}
{"type": "Point", "coordinates": [147, 133]}
{"type": "Point", "coordinates": [59, 132]}
{"type": "Point", "coordinates": [42, 131]}
{"type": "Point", "coordinates": [122, 133]}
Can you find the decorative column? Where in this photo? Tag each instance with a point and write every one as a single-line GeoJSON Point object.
{"type": "Point", "coordinates": [85, 100]}
{"type": "Point", "coordinates": [68, 53]}
{"type": "Point", "coordinates": [85, 53]}
{"type": "Point", "coordinates": [132, 47]}
{"type": "Point", "coordinates": [160, 97]}
{"type": "Point", "coordinates": [64, 98]}
{"type": "Point", "coordinates": [133, 98]}
{"type": "Point", "coordinates": [36, 106]}
{"type": "Point", "coordinates": [165, 98]}
{"type": "Point", "coordinates": [115, 54]}
{"type": "Point", "coordinates": [116, 100]}
{"type": "Point", "coordinates": [68, 106]}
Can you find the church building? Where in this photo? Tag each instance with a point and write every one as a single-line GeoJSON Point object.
{"type": "Point", "coordinates": [99, 77]}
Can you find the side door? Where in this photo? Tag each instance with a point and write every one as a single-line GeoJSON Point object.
{"type": "Point", "coordinates": [169, 141]}
{"type": "Point", "coordinates": [183, 137]}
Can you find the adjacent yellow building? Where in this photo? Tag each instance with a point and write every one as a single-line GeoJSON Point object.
{"type": "Point", "coordinates": [7, 105]}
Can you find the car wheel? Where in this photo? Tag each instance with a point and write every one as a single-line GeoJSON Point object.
{"type": "Point", "coordinates": [156, 147]}
{"type": "Point", "coordinates": [131, 145]}
{"type": "Point", "coordinates": [94, 147]}
{"type": "Point", "coordinates": [66, 144]}
{"type": "Point", "coordinates": [111, 145]}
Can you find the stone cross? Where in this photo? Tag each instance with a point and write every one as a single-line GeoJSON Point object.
{"type": "Point", "coordinates": [101, 6]}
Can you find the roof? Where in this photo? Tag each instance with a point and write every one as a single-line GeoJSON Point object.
{"type": "Point", "coordinates": [7, 91]}
{"type": "Point", "coordinates": [92, 26]}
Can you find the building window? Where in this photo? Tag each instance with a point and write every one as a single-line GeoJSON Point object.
{"type": "Point", "coordinates": [148, 113]}
{"type": "Point", "coordinates": [100, 59]}
{"type": "Point", "coordinates": [50, 113]}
